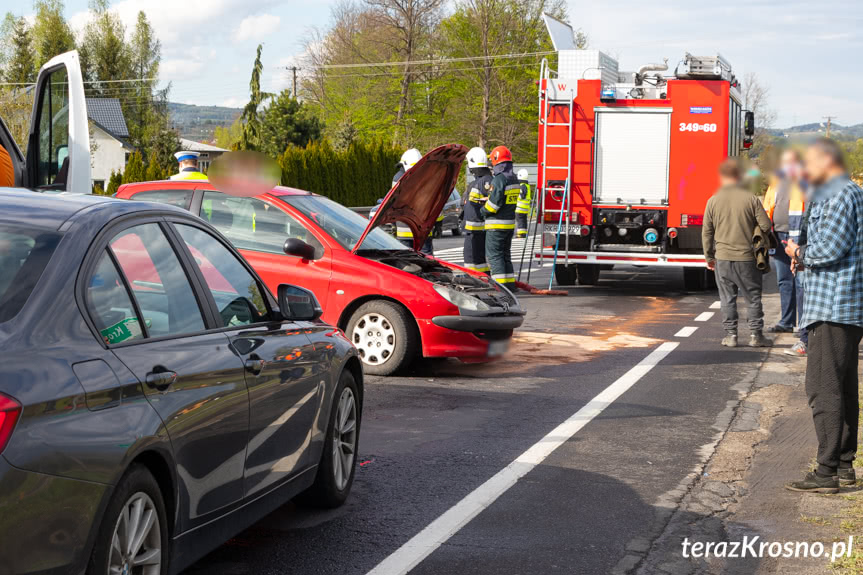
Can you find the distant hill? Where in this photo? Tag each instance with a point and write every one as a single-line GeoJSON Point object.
{"type": "Point", "coordinates": [837, 131]}
{"type": "Point", "coordinates": [199, 122]}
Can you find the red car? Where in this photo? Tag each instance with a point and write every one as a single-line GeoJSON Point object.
{"type": "Point", "coordinates": [393, 303]}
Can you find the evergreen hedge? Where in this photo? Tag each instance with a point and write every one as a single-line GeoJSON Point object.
{"type": "Point", "coordinates": [355, 176]}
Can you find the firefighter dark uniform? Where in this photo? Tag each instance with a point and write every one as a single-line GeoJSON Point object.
{"type": "Point", "coordinates": [499, 212]}
{"type": "Point", "coordinates": [474, 226]}
{"type": "Point", "coordinates": [522, 208]}
{"type": "Point", "coordinates": [404, 233]}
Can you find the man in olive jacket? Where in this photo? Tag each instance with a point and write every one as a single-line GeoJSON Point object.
{"type": "Point", "coordinates": [730, 218]}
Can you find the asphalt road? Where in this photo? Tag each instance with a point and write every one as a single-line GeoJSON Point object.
{"type": "Point", "coordinates": [441, 433]}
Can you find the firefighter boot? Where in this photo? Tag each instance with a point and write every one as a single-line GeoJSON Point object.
{"type": "Point", "coordinates": [730, 340]}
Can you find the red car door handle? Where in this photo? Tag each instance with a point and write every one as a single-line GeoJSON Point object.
{"type": "Point", "coordinates": [254, 365]}
{"type": "Point", "coordinates": [161, 380]}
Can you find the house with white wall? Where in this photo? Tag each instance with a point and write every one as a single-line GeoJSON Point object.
{"type": "Point", "coordinates": [109, 137]}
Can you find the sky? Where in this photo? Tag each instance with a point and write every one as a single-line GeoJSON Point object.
{"type": "Point", "coordinates": [807, 52]}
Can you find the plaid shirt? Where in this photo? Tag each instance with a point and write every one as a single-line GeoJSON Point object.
{"type": "Point", "coordinates": [833, 254]}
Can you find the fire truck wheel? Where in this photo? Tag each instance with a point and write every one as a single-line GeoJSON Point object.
{"type": "Point", "coordinates": [588, 274]}
{"type": "Point", "coordinates": [564, 274]}
{"type": "Point", "coordinates": [694, 279]}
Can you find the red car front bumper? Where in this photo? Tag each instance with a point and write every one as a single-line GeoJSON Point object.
{"type": "Point", "coordinates": [469, 338]}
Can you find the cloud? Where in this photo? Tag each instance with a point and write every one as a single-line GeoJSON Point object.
{"type": "Point", "coordinates": [257, 26]}
{"type": "Point", "coordinates": [233, 103]}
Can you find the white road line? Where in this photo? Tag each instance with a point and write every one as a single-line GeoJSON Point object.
{"type": "Point", "coordinates": [438, 531]}
{"type": "Point", "coordinates": [686, 331]}
{"type": "Point", "coordinates": [704, 316]}
{"type": "Point", "coordinates": [716, 305]}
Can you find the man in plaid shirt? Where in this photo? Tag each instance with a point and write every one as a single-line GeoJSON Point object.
{"type": "Point", "coordinates": [832, 265]}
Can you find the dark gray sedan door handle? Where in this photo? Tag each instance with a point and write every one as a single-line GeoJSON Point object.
{"type": "Point", "coordinates": [255, 365]}
{"type": "Point", "coordinates": [161, 380]}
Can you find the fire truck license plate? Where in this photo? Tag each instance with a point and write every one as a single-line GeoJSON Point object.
{"type": "Point", "coordinates": [498, 347]}
{"type": "Point", "coordinates": [574, 230]}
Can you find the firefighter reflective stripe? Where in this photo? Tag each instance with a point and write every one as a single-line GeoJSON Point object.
{"type": "Point", "coordinates": [491, 207]}
{"type": "Point", "coordinates": [474, 226]}
{"type": "Point", "coordinates": [503, 278]}
{"type": "Point", "coordinates": [523, 204]}
{"type": "Point", "coordinates": [477, 267]}
{"type": "Point", "coordinates": [500, 224]}
{"type": "Point", "coordinates": [512, 193]}
{"type": "Point", "coordinates": [476, 195]}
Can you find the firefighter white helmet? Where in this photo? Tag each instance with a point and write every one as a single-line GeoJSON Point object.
{"type": "Point", "coordinates": [522, 174]}
{"type": "Point", "coordinates": [477, 158]}
{"type": "Point", "coordinates": [410, 158]}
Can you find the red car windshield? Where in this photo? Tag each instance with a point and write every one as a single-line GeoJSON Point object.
{"type": "Point", "coordinates": [342, 224]}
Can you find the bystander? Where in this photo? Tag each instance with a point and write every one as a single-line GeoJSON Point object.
{"type": "Point", "coordinates": [831, 261]}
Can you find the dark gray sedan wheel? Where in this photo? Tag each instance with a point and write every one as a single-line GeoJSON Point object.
{"type": "Point", "coordinates": [133, 537]}
{"type": "Point", "coordinates": [338, 461]}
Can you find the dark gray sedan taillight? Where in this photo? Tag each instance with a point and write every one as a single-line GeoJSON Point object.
{"type": "Point", "coordinates": [10, 410]}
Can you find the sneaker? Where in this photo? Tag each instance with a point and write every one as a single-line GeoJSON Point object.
{"type": "Point", "coordinates": [847, 476]}
{"type": "Point", "coordinates": [730, 340]}
{"type": "Point", "coordinates": [757, 339]}
{"type": "Point", "coordinates": [814, 483]}
{"type": "Point", "coordinates": [797, 350]}
{"type": "Point", "coordinates": [779, 329]}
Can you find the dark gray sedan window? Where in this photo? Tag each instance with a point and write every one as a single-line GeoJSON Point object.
{"type": "Point", "coordinates": [179, 198]}
{"type": "Point", "coordinates": [110, 305]}
{"type": "Point", "coordinates": [158, 281]}
{"type": "Point", "coordinates": [24, 253]}
{"type": "Point", "coordinates": [239, 296]}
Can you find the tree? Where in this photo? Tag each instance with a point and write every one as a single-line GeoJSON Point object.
{"type": "Point", "coordinates": [145, 54]}
{"type": "Point", "coordinates": [250, 139]}
{"type": "Point", "coordinates": [756, 100]}
{"type": "Point", "coordinates": [155, 170]}
{"type": "Point", "coordinates": [20, 67]}
{"type": "Point", "coordinates": [105, 56]}
{"type": "Point", "coordinates": [114, 182]}
{"type": "Point", "coordinates": [134, 169]}
{"type": "Point", "coordinates": [229, 137]}
{"type": "Point", "coordinates": [51, 33]}
{"type": "Point", "coordinates": [344, 135]}
{"type": "Point", "coordinates": [287, 122]}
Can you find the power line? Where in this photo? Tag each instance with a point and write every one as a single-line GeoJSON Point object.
{"type": "Point", "coordinates": [442, 71]}
{"type": "Point", "coordinates": [435, 60]}
{"type": "Point", "coordinates": [87, 82]}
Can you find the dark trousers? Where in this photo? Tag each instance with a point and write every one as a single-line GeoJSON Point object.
{"type": "Point", "coordinates": [428, 246]}
{"type": "Point", "coordinates": [733, 278]}
{"type": "Point", "coordinates": [521, 225]}
{"type": "Point", "coordinates": [474, 251]}
{"type": "Point", "coordinates": [831, 384]}
{"type": "Point", "coordinates": [787, 284]}
{"type": "Point", "coordinates": [498, 253]}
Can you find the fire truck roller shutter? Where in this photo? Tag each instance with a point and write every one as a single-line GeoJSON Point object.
{"type": "Point", "coordinates": [632, 148]}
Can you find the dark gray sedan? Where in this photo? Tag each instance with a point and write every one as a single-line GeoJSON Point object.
{"type": "Point", "coordinates": [155, 398]}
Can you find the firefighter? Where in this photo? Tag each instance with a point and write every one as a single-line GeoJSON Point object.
{"type": "Point", "coordinates": [474, 227]}
{"type": "Point", "coordinates": [499, 214]}
{"type": "Point", "coordinates": [188, 166]}
{"type": "Point", "coordinates": [522, 207]}
{"type": "Point", "coordinates": [403, 232]}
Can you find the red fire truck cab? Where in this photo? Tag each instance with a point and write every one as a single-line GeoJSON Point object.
{"type": "Point", "coordinates": [628, 160]}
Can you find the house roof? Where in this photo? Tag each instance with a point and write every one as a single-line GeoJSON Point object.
{"type": "Point", "coordinates": [198, 146]}
{"type": "Point", "coordinates": [107, 113]}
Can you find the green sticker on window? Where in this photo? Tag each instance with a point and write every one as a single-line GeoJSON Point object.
{"type": "Point", "coordinates": [121, 331]}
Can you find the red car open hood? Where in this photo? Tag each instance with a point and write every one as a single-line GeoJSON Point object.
{"type": "Point", "coordinates": [419, 196]}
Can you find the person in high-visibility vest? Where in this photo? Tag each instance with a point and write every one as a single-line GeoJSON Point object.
{"type": "Point", "coordinates": [522, 207]}
{"type": "Point", "coordinates": [499, 213]}
{"type": "Point", "coordinates": [188, 166]}
{"type": "Point", "coordinates": [403, 232]}
{"type": "Point", "coordinates": [474, 226]}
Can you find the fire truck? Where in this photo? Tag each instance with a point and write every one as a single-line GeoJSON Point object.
{"type": "Point", "coordinates": [627, 160]}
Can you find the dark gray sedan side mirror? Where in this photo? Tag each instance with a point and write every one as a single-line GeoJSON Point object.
{"type": "Point", "coordinates": [299, 248]}
{"type": "Point", "coordinates": [298, 304]}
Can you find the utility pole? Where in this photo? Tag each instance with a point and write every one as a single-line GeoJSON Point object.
{"type": "Point", "coordinates": [294, 70]}
{"type": "Point", "coordinates": [829, 123]}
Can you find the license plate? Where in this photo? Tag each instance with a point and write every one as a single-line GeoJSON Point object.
{"type": "Point", "coordinates": [498, 348]}
{"type": "Point", "coordinates": [574, 230]}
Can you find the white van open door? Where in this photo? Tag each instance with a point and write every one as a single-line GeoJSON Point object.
{"type": "Point", "coordinates": [58, 149]}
